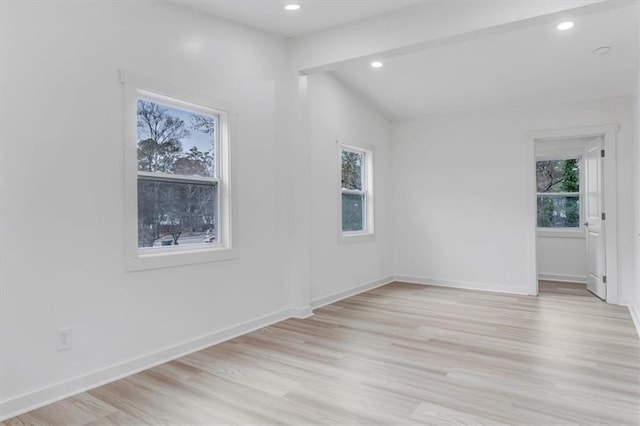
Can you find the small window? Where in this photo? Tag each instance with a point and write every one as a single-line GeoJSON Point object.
{"type": "Point", "coordinates": [558, 186]}
{"type": "Point", "coordinates": [177, 175]}
{"type": "Point", "coordinates": [356, 191]}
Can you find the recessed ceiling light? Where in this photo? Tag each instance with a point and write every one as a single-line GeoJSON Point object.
{"type": "Point", "coordinates": [292, 7]}
{"type": "Point", "coordinates": [376, 64]}
{"type": "Point", "coordinates": [564, 26]}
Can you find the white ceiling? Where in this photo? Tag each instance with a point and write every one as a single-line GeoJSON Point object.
{"type": "Point", "coordinates": [534, 64]}
{"type": "Point", "coordinates": [315, 15]}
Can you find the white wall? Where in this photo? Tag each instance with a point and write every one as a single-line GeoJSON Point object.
{"type": "Point", "coordinates": [63, 192]}
{"type": "Point", "coordinates": [62, 187]}
{"type": "Point", "coordinates": [636, 195]}
{"type": "Point", "coordinates": [460, 199]}
{"type": "Point", "coordinates": [562, 258]}
{"type": "Point", "coordinates": [337, 114]}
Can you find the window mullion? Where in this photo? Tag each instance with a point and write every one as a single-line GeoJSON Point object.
{"type": "Point", "coordinates": [558, 194]}
{"type": "Point", "coordinates": [353, 191]}
{"type": "Point", "coordinates": [156, 177]}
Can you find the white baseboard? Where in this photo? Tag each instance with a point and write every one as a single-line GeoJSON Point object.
{"type": "Point", "coordinates": [32, 400]}
{"type": "Point", "coordinates": [301, 313]}
{"type": "Point", "coordinates": [635, 316]}
{"type": "Point", "coordinates": [326, 300]}
{"type": "Point", "coordinates": [462, 285]}
{"type": "Point", "coordinates": [50, 394]}
{"type": "Point", "coordinates": [563, 278]}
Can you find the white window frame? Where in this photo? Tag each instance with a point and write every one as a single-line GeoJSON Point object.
{"type": "Point", "coordinates": [138, 87]}
{"type": "Point", "coordinates": [579, 231]}
{"type": "Point", "coordinates": [368, 232]}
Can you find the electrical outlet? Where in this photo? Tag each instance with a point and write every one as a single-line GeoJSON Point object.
{"type": "Point", "coordinates": [64, 341]}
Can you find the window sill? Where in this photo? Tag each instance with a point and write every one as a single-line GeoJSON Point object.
{"type": "Point", "coordinates": [561, 233]}
{"type": "Point", "coordinates": [356, 237]}
{"type": "Point", "coordinates": [169, 259]}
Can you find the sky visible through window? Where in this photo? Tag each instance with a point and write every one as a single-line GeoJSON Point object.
{"type": "Point", "coordinates": [199, 139]}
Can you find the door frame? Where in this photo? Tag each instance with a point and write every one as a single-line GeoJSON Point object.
{"type": "Point", "coordinates": [609, 134]}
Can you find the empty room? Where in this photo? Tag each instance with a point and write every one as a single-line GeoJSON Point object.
{"type": "Point", "coordinates": [319, 212]}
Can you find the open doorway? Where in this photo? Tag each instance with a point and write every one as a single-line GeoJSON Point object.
{"type": "Point", "coordinates": [574, 235]}
{"type": "Point", "coordinates": [570, 237]}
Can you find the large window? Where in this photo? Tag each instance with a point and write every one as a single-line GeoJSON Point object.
{"type": "Point", "coordinates": [177, 174]}
{"type": "Point", "coordinates": [356, 191]}
{"type": "Point", "coordinates": [558, 183]}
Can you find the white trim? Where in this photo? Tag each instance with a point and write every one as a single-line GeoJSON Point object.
{"type": "Point", "coordinates": [608, 132]}
{"type": "Point", "coordinates": [191, 96]}
{"type": "Point", "coordinates": [356, 237]}
{"type": "Point", "coordinates": [577, 233]}
{"type": "Point", "coordinates": [171, 101]}
{"type": "Point", "coordinates": [635, 317]}
{"type": "Point", "coordinates": [226, 165]}
{"type": "Point", "coordinates": [547, 152]}
{"type": "Point", "coordinates": [466, 285]}
{"type": "Point", "coordinates": [563, 278]}
{"type": "Point", "coordinates": [559, 194]}
{"type": "Point", "coordinates": [332, 298]}
{"type": "Point", "coordinates": [169, 177]}
{"type": "Point", "coordinates": [47, 395]}
{"type": "Point", "coordinates": [301, 313]}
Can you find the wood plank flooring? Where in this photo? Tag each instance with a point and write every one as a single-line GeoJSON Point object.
{"type": "Point", "coordinates": [399, 354]}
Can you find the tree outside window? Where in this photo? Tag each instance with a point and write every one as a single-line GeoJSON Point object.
{"type": "Point", "coordinates": [558, 186]}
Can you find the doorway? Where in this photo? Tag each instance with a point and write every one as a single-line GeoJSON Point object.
{"type": "Point", "coordinates": [573, 235]}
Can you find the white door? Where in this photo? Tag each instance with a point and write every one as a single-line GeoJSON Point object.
{"type": "Point", "coordinates": [594, 223]}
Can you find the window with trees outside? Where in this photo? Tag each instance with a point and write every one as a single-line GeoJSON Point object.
{"type": "Point", "coordinates": [356, 191]}
{"type": "Point", "coordinates": [558, 187]}
{"type": "Point", "coordinates": [178, 180]}
{"type": "Point", "coordinates": [179, 208]}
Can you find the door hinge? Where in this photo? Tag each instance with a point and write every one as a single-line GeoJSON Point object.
{"type": "Point", "coordinates": [604, 216]}
{"type": "Point", "coordinates": [602, 153]}
{"type": "Point", "coordinates": [604, 279]}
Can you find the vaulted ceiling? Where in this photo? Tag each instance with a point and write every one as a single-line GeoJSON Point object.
{"type": "Point", "coordinates": [522, 65]}
{"type": "Point", "coordinates": [514, 64]}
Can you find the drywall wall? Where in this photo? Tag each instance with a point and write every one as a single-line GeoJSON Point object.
{"type": "Point", "coordinates": [636, 194]}
{"type": "Point", "coordinates": [562, 258]}
{"type": "Point", "coordinates": [337, 115]}
{"type": "Point", "coordinates": [460, 193]}
{"type": "Point", "coordinates": [62, 190]}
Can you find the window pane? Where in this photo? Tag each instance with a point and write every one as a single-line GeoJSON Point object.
{"type": "Point", "coordinates": [558, 212]}
{"type": "Point", "coordinates": [172, 140]}
{"type": "Point", "coordinates": [352, 212]}
{"type": "Point", "coordinates": [352, 165]}
{"type": "Point", "coordinates": [176, 213]}
{"type": "Point", "coordinates": [558, 175]}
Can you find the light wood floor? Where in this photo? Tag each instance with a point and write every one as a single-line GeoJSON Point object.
{"type": "Point", "coordinates": [399, 354]}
